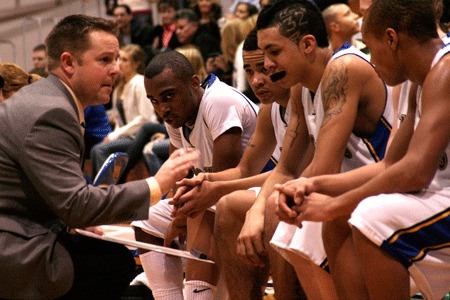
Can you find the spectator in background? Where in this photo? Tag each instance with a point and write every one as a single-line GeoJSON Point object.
{"type": "Point", "coordinates": [14, 78]}
{"type": "Point", "coordinates": [133, 31]}
{"type": "Point", "coordinates": [110, 5]}
{"type": "Point", "coordinates": [164, 36]}
{"type": "Point", "coordinates": [233, 6]}
{"type": "Point", "coordinates": [40, 61]}
{"type": "Point", "coordinates": [209, 12]}
{"type": "Point", "coordinates": [140, 9]}
{"type": "Point", "coordinates": [97, 127]}
{"type": "Point", "coordinates": [342, 24]}
{"type": "Point", "coordinates": [239, 78]}
{"type": "Point", "coordinates": [195, 58]}
{"type": "Point", "coordinates": [244, 10]}
{"type": "Point", "coordinates": [131, 107]}
{"type": "Point", "coordinates": [222, 64]}
{"type": "Point", "coordinates": [187, 31]}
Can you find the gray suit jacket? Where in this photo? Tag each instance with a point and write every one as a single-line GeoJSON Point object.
{"type": "Point", "coordinates": [42, 185]}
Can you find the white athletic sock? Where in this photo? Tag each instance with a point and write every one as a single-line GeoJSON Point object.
{"type": "Point", "coordinates": [164, 274]}
{"type": "Point", "coordinates": [199, 290]}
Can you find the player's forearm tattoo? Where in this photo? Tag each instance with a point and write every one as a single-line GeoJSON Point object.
{"type": "Point", "coordinates": [294, 134]}
{"type": "Point", "coordinates": [334, 93]}
{"type": "Point", "coordinates": [250, 143]}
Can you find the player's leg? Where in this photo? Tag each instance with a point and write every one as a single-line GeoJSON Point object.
{"type": "Point", "coordinates": [386, 277]}
{"type": "Point", "coordinates": [285, 281]}
{"type": "Point", "coordinates": [201, 277]}
{"type": "Point", "coordinates": [344, 263]}
{"type": "Point", "coordinates": [243, 281]}
{"type": "Point", "coordinates": [164, 272]}
{"type": "Point", "coordinates": [400, 243]}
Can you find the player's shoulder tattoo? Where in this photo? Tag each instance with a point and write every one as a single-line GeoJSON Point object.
{"type": "Point", "coordinates": [335, 85]}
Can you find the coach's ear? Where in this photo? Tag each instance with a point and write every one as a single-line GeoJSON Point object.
{"type": "Point", "coordinates": [67, 61]}
{"type": "Point", "coordinates": [391, 38]}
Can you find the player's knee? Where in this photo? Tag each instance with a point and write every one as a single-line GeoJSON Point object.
{"type": "Point", "coordinates": [222, 211]}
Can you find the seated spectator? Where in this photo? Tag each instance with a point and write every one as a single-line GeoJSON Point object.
{"type": "Point", "coordinates": [235, 3]}
{"type": "Point", "coordinates": [97, 127]}
{"type": "Point", "coordinates": [133, 31]}
{"type": "Point", "coordinates": [14, 78]}
{"type": "Point", "coordinates": [40, 61]}
{"type": "Point", "coordinates": [209, 12]}
{"type": "Point", "coordinates": [342, 24]}
{"type": "Point", "coordinates": [244, 10]}
{"type": "Point", "coordinates": [131, 108]}
{"type": "Point", "coordinates": [188, 32]}
{"type": "Point", "coordinates": [239, 76]}
{"type": "Point", "coordinates": [164, 36]}
{"type": "Point", "coordinates": [195, 58]}
{"type": "Point", "coordinates": [156, 153]}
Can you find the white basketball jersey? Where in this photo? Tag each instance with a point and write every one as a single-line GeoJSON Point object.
{"type": "Point", "coordinates": [280, 119]}
{"type": "Point", "coordinates": [360, 151]}
{"type": "Point", "coordinates": [441, 179]}
{"type": "Point", "coordinates": [222, 108]}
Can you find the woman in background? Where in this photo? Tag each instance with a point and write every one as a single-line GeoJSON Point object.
{"type": "Point", "coordinates": [131, 108]}
{"type": "Point", "coordinates": [14, 78]}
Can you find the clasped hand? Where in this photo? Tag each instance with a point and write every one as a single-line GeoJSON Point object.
{"type": "Point", "coordinates": [298, 202]}
{"type": "Point", "coordinates": [193, 196]}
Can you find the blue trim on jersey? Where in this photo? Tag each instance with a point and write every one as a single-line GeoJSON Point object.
{"type": "Point", "coordinates": [209, 80]}
{"type": "Point", "coordinates": [346, 45]}
{"type": "Point", "coordinates": [325, 265]}
{"type": "Point", "coordinates": [412, 244]}
{"type": "Point", "coordinates": [246, 99]}
{"type": "Point", "coordinates": [377, 143]}
{"type": "Point", "coordinates": [269, 166]}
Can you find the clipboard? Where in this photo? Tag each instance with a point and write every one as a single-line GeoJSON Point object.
{"type": "Point", "coordinates": [131, 242]}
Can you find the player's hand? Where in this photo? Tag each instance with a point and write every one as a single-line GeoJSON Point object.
{"type": "Point", "coordinates": [250, 243]}
{"type": "Point", "coordinates": [175, 168]}
{"type": "Point", "coordinates": [177, 228]}
{"type": "Point", "coordinates": [185, 185]}
{"type": "Point", "coordinates": [317, 208]}
{"type": "Point", "coordinates": [197, 180]}
{"type": "Point", "coordinates": [292, 195]}
{"type": "Point", "coordinates": [285, 203]}
{"type": "Point", "coordinates": [196, 200]}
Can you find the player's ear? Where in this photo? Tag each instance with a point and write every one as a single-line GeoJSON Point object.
{"type": "Point", "coordinates": [391, 38]}
{"type": "Point", "coordinates": [195, 82]}
{"type": "Point", "coordinates": [307, 43]}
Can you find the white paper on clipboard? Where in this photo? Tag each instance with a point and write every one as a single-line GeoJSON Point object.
{"type": "Point", "coordinates": [147, 246]}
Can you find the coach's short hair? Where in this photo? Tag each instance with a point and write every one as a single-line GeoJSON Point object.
{"type": "Point", "coordinates": [71, 34]}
